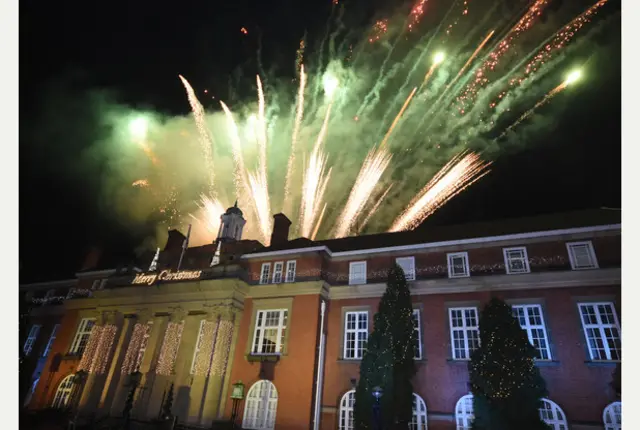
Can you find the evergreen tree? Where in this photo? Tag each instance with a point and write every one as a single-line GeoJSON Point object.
{"type": "Point", "coordinates": [167, 406]}
{"type": "Point", "coordinates": [506, 384]}
{"type": "Point", "coordinates": [388, 360]}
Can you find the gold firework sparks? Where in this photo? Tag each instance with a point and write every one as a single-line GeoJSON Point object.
{"type": "Point", "coordinates": [460, 172]}
{"type": "Point", "coordinates": [294, 140]}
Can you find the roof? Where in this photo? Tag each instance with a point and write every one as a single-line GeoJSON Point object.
{"type": "Point", "coordinates": [429, 234]}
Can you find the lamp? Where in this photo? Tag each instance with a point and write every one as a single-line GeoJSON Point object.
{"type": "Point", "coordinates": [237, 394]}
{"type": "Point", "coordinates": [377, 393]}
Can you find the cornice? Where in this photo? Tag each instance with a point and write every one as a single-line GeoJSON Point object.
{"type": "Point", "coordinates": [529, 281]}
{"type": "Point", "coordinates": [288, 289]}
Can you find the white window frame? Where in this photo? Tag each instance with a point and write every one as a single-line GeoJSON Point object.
{"type": "Point", "coordinates": [291, 271]}
{"type": "Point", "coordinates": [557, 420]}
{"type": "Point", "coordinates": [82, 334]}
{"type": "Point", "coordinates": [52, 338]}
{"type": "Point", "coordinates": [278, 268]}
{"type": "Point", "coordinates": [358, 349]}
{"type": "Point", "coordinates": [264, 275]}
{"type": "Point", "coordinates": [63, 393]}
{"type": "Point", "coordinates": [353, 280]}
{"type": "Point", "coordinates": [450, 265]}
{"type": "Point", "coordinates": [345, 417]}
{"type": "Point", "coordinates": [196, 350]}
{"type": "Point", "coordinates": [590, 250]}
{"type": "Point", "coordinates": [261, 406]}
{"type": "Point", "coordinates": [612, 416]}
{"type": "Point", "coordinates": [508, 260]}
{"type": "Point", "coordinates": [600, 328]}
{"type": "Point", "coordinates": [464, 412]}
{"type": "Point", "coordinates": [417, 326]}
{"type": "Point", "coordinates": [260, 328]}
{"type": "Point", "coordinates": [419, 414]}
{"type": "Point", "coordinates": [544, 350]}
{"type": "Point", "coordinates": [465, 329]}
{"type": "Point", "coordinates": [410, 271]}
{"type": "Point", "coordinates": [31, 339]}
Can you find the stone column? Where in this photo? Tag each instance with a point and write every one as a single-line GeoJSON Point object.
{"type": "Point", "coordinates": [116, 390]}
{"type": "Point", "coordinates": [216, 391]}
{"type": "Point", "coordinates": [157, 385]}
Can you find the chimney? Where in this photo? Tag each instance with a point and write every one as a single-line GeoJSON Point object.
{"type": "Point", "coordinates": [175, 240]}
{"type": "Point", "coordinates": [280, 233]}
{"type": "Point", "coordinates": [92, 259]}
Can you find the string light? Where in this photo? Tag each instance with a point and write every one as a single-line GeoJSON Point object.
{"type": "Point", "coordinates": [169, 349]}
{"type": "Point", "coordinates": [223, 345]}
{"type": "Point", "coordinates": [90, 350]}
{"type": "Point", "coordinates": [203, 357]}
{"type": "Point", "coordinates": [103, 349]}
{"type": "Point", "coordinates": [133, 358]}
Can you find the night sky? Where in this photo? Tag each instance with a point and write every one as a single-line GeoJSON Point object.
{"type": "Point", "coordinates": [134, 50]}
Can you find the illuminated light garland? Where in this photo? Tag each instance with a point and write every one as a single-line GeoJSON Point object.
{"type": "Point", "coordinates": [223, 346]}
{"type": "Point", "coordinates": [133, 358]}
{"type": "Point", "coordinates": [169, 349]}
{"type": "Point", "coordinates": [203, 357]}
{"type": "Point", "coordinates": [90, 350]}
{"type": "Point", "coordinates": [103, 349]}
{"type": "Point", "coordinates": [440, 269]}
{"type": "Point", "coordinates": [73, 292]}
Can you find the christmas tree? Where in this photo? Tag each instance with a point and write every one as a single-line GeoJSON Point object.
{"type": "Point", "coordinates": [388, 361]}
{"type": "Point", "coordinates": [506, 384]}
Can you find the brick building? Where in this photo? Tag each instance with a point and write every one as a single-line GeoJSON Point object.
{"type": "Point", "coordinates": [291, 321]}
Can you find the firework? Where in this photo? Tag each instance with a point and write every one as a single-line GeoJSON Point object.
{"type": "Point", "coordinates": [142, 183]}
{"type": "Point", "coordinates": [205, 139]}
{"type": "Point", "coordinates": [462, 171]}
{"type": "Point", "coordinates": [356, 94]}
{"type": "Point", "coordinates": [571, 78]}
{"type": "Point", "coordinates": [294, 139]}
{"type": "Point", "coordinates": [372, 169]}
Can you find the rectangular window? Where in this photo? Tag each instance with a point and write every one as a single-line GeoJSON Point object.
{"type": "Point", "coordinates": [408, 265]}
{"type": "Point", "coordinates": [458, 265]}
{"type": "Point", "coordinates": [531, 320]}
{"type": "Point", "coordinates": [277, 272]}
{"type": "Point", "coordinates": [416, 327]}
{"type": "Point", "coordinates": [51, 339]}
{"type": "Point", "coordinates": [82, 336]}
{"type": "Point", "coordinates": [582, 256]}
{"type": "Point", "coordinates": [196, 350]}
{"type": "Point", "coordinates": [516, 260]}
{"type": "Point", "coordinates": [601, 329]}
{"type": "Point", "coordinates": [357, 272]}
{"type": "Point", "coordinates": [291, 271]}
{"type": "Point", "coordinates": [465, 337]}
{"type": "Point", "coordinates": [264, 273]}
{"type": "Point", "coordinates": [31, 339]}
{"type": "Point", "coordinates": [356, 333]}
{"type": "Point", "coordinates": [271, 326]}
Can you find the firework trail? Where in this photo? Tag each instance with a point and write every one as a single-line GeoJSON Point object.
{"type": "Point", "coordinates": [315, 230]}
{"type": "Point", "coordinates": [462, 171]}
{"type": "Point", "coordinates": [551, 94]}
{"type": "Point", "coordinates": [397, 118]}
{"type": "Point", "coordinates": [314, 181]}
{"type": "Point", "coordinates": [240, 178]}
{"type": "Point", "coordinates": [547, 49]}
{"type": "Point", "coordinates": [206, 142]}
{"type": "Point", "coordinates": [142, 183]}
{"type": "Point", "coordinates": [211, 211]}
{"type": "Point", "coordinates": [372, 169]}
{"type": "Point", "coordinates": [294, 140]}
{"type": "Point", "coordinates": [259, 187]}
{"type": "Point", "coordinates": [374, 209]}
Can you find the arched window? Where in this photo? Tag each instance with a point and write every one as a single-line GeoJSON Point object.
{"type": "Point", "coordinates": [260, 407]}
{"type": "Point", "coordinates": [419, 418]}
{"type": "Point", "coordinates": [63, 394]}
{"type": "Point", "coordinates": [612, 416]}
{"type": "Point", "coordinates": [551, 414]}
{"type": "Point", "coordinates": [346, 411]}
{"type": "Point", "coordinates": [464, 412]}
